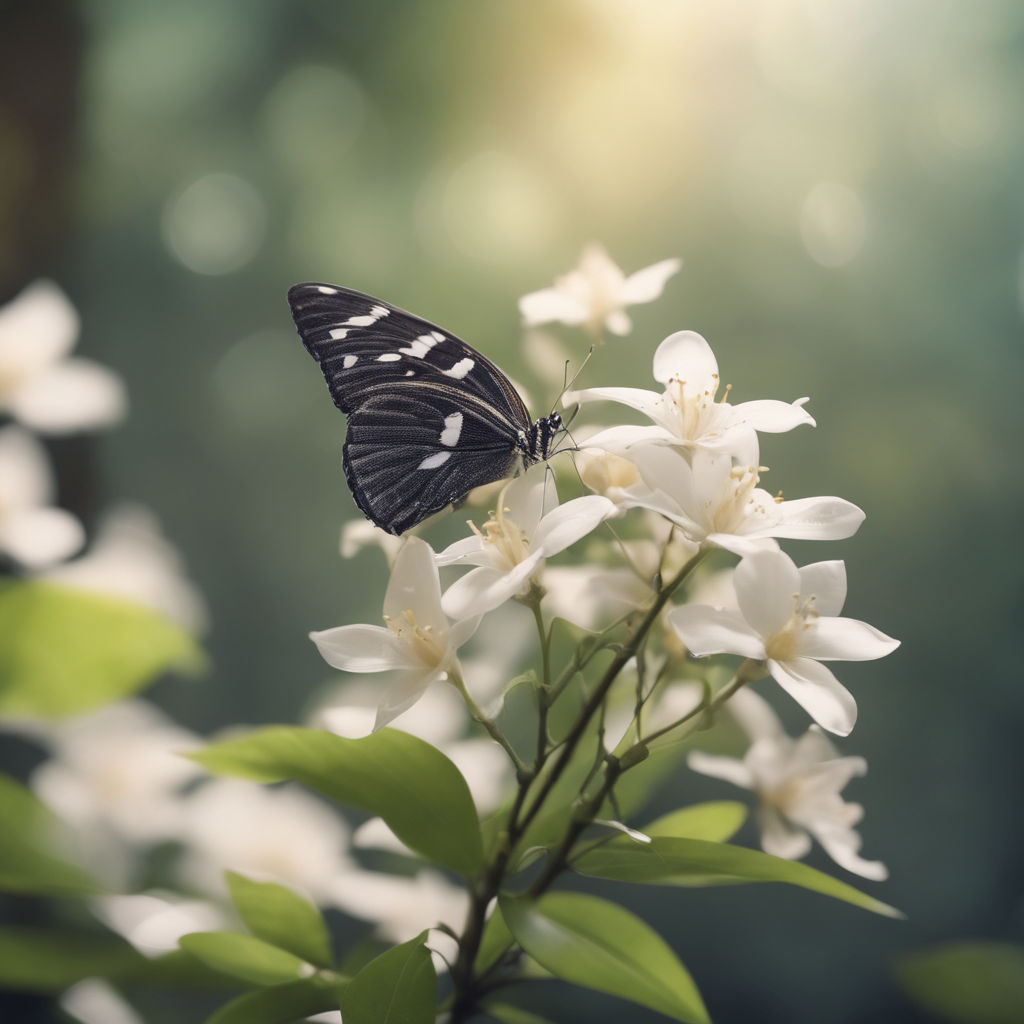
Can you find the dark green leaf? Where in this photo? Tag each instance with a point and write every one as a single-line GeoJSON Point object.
{"type": "Point", "coordinates": [49, 959]}
{"type": "Point", "coordinates": [714, 822]}
{"type": "Point", "coordinates": [27, 864]}
{"type": "Point", "coordinates": [600, 945]}
{"type": "Point", "coordinates": [669, 861]}
{"type": "Point", "coordinates": [280, 1004]}
{"type": "Point", "coordinates": [405, 780]}
{"type": "Point", "coordinates": [245, 957]}
{"type": "Point", "coordinates": [967, 982]}
{"type": "Point", "coordinates": [494, 943]}
{"type": "Point", "coordinates": [506, 1014]}
{"type": "Point", "coordinates": [64, 651]}
{"type": "Point", "coordinates": [399, 987]}
{"type": "Point", "coordinates": [281, 917]}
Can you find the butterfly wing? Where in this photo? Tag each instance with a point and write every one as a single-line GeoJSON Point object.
{"type": "Point", "coordinates": [429, 417]}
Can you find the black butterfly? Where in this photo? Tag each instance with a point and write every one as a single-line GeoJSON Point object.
{"type": "Point", "coordinates": [429, 418]}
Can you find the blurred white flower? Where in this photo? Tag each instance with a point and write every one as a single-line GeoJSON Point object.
{"type": "Point", "coordinates": [361, 533]}
{"type": "Point", "coordinates": [280, 834]}
{"type": "Point", "coordinates": [596, 292]}
{"type": "Point", "coordinates": [131, 558]}
{"type": "Point", "coordinates": [789, 618]}
{"type": "Point", "coordinates": [39, 385]}
{"type": "Point", "coordinates": [93, 1001]}
{"type": "Point", "coordinates": [32, 530]}
{"type": "Point", "coordinates": [527, 527]}
{"type": "Point", "coordinates": [686, 414]}
{"type": "Point", "coordinates": [154, 921]}
{"type": "Point", "coordinates": [718, 503]}
{"type": "Point", "coordinates": [798, 783]}
{"type": "Point", "coordinates": [117, 768]}
{"type": "Point", "coordinates": [591, 596]}
{"type": "Point", "coordinates": [418, 639]}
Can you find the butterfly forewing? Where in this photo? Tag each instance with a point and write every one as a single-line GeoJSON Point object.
{"type": "Point", "coordinates": [429, 417]}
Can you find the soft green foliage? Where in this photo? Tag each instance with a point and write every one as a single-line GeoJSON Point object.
{"type": "Point", "coordinates": [671, 861]}
{"type": "Point", "coordinates": [245, 957]}
{"type": "Point", "coordinates": [281, 917]}
{"type": "Point", "coordinates": [50, 959]}
{"type": "Point", "coordinates": [715, 821]}
{"type": "Point", "coordinates": [280, 1004]}
{"type": "Point", "coordinates": [409, 783]}
{"type": "Point", "coordinates": [496, 940]}
{"type": "Point", "coordinates": [398, 987]}
{"type": "Point", "coordinates": [505, 1014]}
{"type": "Point", "coordinates": [967, 982]}
{"type": "Point", "coordinates": [64, 651]}
{"type": "Point", "coordinates": [599, 945]}
{"type": "Point", "coordinates": [26, 863]}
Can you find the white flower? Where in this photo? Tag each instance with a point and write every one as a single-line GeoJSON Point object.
{"type": "Point", "coordinates": [361, 533]}
{"type": "Point", "coordinates": [418, 639]}
{"type": "Point", "coordinates": [798, 783]}
{"type": "Point", "coordinates": [32, 530]}
{"type": "Point", "coordinates": [154, 921]}
{"type": "Point", "coordinates": [789, 618]}
{"type": "Point", "coordinates": [131, 558]}
{"type": "Point", "coordinates": [93, 1001]}
{"type": "Point", "coordinates": [282, 834]}
{"type": "Point", "coordinates": [39, 385]}
{"type": "Point", "coordinates": [119, 768]}
{"type": "Point", "coordinates": [686, 414]}
{"type": "Point", "coordinates": [527, 527]}
{"type": "Point", "coordinates": [596, 293]}
{"type": "Point", "coordinates": [718, 503]}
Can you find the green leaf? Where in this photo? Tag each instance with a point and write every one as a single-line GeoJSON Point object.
{"type": "Point", "coordinates": [505, 1014]}
{"type": "Point", "coordinates": [27, 864]}
{"type": "Point", "coordinates": [494, 942]}
{"type": "Point", "coordinates": [281, 917]}
{"type": "Point", "coordinates": [669, 861]}
{"type": "Point", "coordinates": [64, 651]}
{"type": "Point", "coordinates": [398, 987]}
{"type": "Point", "coordinates": [600, 945]}
{"type": "Point", "coordinates": [405, 780]}
{"type": "Point", "coordinates": [715, 821]}
{"type": "Point", "coordinates": [280, 1004]}
{"type": "Point", "coordinates": [245, 957]}
{"type": "Point", "coordinates": [967, 982]}
{"type": "Point", "coordinates": [51, 959]}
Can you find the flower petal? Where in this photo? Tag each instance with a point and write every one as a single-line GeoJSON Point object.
{"type": "Point", "coordinates": [781, 838]}
{"type": "Point", "coordinates": [470, 550]}
{"type": "Point", "coordinates": [771, 416]}
{"type": "Point", "coordinates": [727, 768]}
{"type": "Point", "coordinates": [647, 284]}
{"type": "Point", "coordinates": [618, 323]}
{"type": "Point", "coordinates": [839, 639]}
{"type": "Point", "coordinates": [824, 518]}
{"type": "Point", "coordinates": [842, 845]}
{"type": "Point", "coordinates": [403, 693]}
{"type": "Point", "coordinates": [826, 581]}
{"type": "Point", "coordinates": [706, 630]}
{"type": "Point", "coordinates": [643, 401]}
{"type": "Point", "coordinates": [767, 584]}
{"type": "Point", "coordinates": [755, 716]}
{"type": "Point", "coordinates": [687, 356]}
{"type": "Point", "coordinates": [38, 537]}
{"type": "Point", "coordinates": [818, 692]}
{"type": "Point", "coordinates": [569, 522]}
{"type": "Point", "coordinates": [549, 304]}
{"type": "Point", "coordinates": [360, 648]}
{"type": "Point", "coordinates": [72, 395]}
{"type": "Point", "coordinates": [415, 587]}
{"type": "Point", "coordinates": [36, 327]}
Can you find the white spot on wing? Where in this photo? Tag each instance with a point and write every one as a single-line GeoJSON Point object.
{"type": "Point", "coordinates": [379, 312]}
{"type": "Point", "coordinates": [420, 346]}
{"type": "Point", "coordinates": [369, 319]}
{"type": "Point", "coordinates": [338, 333]}
{"type": "Point", "coordinates": [435, 460]}
{"type": "Point", "coordinates": [325, 290]}
{"type": "Point", "coordinates": [437, 335]}
{"type": "Point", "coordinates": [350, 361]}
{"type": "Point", "coordinates": [389, 357]}
{"type": "Point", "coordinates": [460, 369]}
{"type": "Point", "coordinates": [452, 430]}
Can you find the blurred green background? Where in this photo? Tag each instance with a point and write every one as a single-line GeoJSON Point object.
{"type": "Point", "coordinates": [845, 183]}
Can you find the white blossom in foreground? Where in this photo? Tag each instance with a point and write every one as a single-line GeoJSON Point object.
{"type": "Point", "coordinates": [717, 503]}
{"type": "Point", "coordinates": [596, 293]}
{"type": "Point", "coordinates": [527, 527]}
{"type": "Point", "coordinates": [789, 619]}
{"type": "Point", "coordinates": [39, 384]}
{"type": "Point", "coordinates": [417, 639]}
{"type": "Point", "coordinates": [131, 558]}
{"type": "Point", "coordinates": [154, 921]}
{"type": "Point", "coordinates": [33, 531]}
{"type": "Point", "coordinates": [686, 413]}
{"type": "Point", "coordinates": [798, 783]}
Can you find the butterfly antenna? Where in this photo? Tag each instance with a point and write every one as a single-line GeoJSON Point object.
{"type": "Point", "coordinates": [568, 383]}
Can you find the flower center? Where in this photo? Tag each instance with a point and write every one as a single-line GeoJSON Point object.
{"type": "Point", "coordinates": [736, 502]}
{"type": "Point", "coordinates": [422, 642]}
{"type": "Point", "coordinates": [692, 409]}
{"type": "Point", "coordinates": [785, 645]}
{"type": "Point", "coordinates": [509, 543]}
{"type": "Point", "coordinates": [10, 377]}
{"type": "Point", "coordinates": [606, 473]}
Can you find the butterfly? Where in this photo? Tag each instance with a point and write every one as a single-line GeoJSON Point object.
{"type": "Point", "coordinates": [429, 417]}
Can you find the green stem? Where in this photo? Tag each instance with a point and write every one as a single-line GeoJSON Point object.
{"type": "Point", "coordinates": [488, 723]}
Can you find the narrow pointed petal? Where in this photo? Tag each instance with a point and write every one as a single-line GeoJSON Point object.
{"type": "Point", "coordinates": [527, 498]}
{"type": "Point", "coordinates": [468, 551]}
{"type": "Point", "coordinates": [619, 439]}
{"type": "Point", "coordinates": [647, 284]}
{"type": "Point", "coordinates": [727, 768]}
{"type": "Point", "coordinates": [781, 838]}
{"type": "Point", "coordinates": [71, 395]}
{"type": "Point", "coordinates": [755, 716]}
{"type": "Point", "coordinates": [842, 845]}
{"type": "Point", "coordinates": [818, 692]}
{"type": "Point", "coordinates": [482, 590]}
{"type": "Point", "coordinates": [839, 639]}
{"type": "Point", "coordinates": [687, 356]}
{"type": "Point", "coordinates": [569, 522]}
{"type": "Point", "coordinates": [826, 581]}
{"type": "Point", "coordinates": [824, 518]}
{"type": "Point", "coordinates": [360, 648]}
{"type": "Point", "coordinates": [415, 587]}
{"type": "Point", "coordinates": [402, 694]}
{"type": "Point", "coordinates": [767, 584]}
{"type": "Point", "coordinates": [550, 304]}
{"type": "Point", "coordinates": [706, 630]}
{"type": "Point", "coordinates": [643, 401]}
{"type": "Point", "coordinates": [774, 417]}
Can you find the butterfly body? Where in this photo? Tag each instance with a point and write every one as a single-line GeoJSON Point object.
{"type": "Point", "coordinates": [429, 417]}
